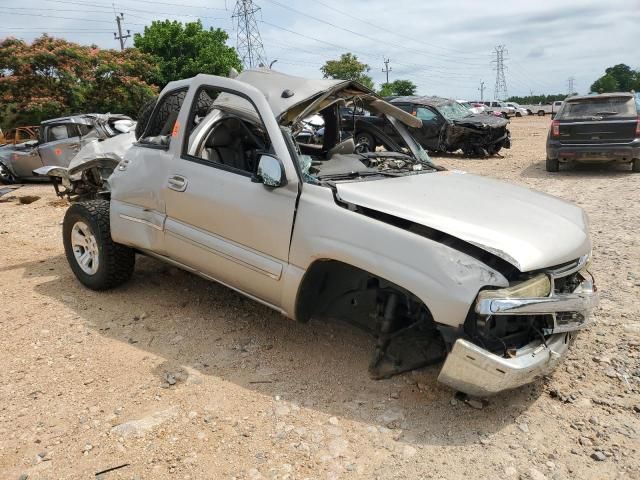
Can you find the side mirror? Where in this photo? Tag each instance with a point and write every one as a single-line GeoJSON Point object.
{"type": "Point", "coordinates": [270, 172]}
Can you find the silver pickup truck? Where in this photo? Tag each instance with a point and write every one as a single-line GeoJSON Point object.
{"type": "Point", "coordinates": [435, 264]}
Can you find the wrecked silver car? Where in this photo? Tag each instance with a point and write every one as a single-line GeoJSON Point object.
{"type": "Point", "coordinates": [59, 141]}
{"type": "Point", "coordinates": [434, 264]}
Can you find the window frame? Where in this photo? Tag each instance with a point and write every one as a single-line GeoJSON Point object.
{"type": "Point", "coordinates": [184, 155]}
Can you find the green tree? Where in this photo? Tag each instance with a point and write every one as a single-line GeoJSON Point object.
{"type": "Point", "coordinates": [348, 68]}
{"type": "Point", "coordinates": [185, 50]}
{"type": "Point", "coordinates": [52, 77]}
{"type": "Point", "coordinates": [606, 83]}
{"type": "Point", "coordinates": [398, 87]}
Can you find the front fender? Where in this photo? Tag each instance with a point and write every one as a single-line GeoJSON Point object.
{"type": "Point", "coordinates": [445, 279]}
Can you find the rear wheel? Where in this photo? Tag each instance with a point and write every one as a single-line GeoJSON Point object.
{"type": "Point", "coordinates": [97, 261]}
{"type": "Point", "coordinates": [367, 139]}
{"type": "Point", "coordinates": [635, 165]}
{"type": "Point", "coordinates": [553, 165]}
{"type": "Point", "coordinates": [518, 114]}
{"type": "Point", "coordinates": [541, 113]}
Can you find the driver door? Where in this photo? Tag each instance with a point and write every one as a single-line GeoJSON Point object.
{"type": "Point", "coordinates": [429, 134]}
{"type": "Point", "coordinates": [222, 221]}
{"type": "Point", "coordinates": [61, 145]}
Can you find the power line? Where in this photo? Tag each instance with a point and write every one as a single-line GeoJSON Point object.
{"type": "Point", "coordinates": [248, 41]}
{"type": "Point", "coordinates": [501, 83]}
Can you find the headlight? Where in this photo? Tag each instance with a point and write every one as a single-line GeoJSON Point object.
{"type": "Point", "coordinates": [538, 286]}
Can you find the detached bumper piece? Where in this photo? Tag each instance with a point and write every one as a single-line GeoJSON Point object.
{"type": "Point", "coordinates": [473, 370]}
{"type": "Point", "coordinates": [565, 296]}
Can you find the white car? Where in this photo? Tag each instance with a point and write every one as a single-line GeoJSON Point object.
{"type": "Point", "coordinates": [473, 108]}
{"type": "Point", "coordinates": [519, 110]}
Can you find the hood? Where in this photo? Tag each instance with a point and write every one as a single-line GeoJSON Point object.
{"type": "Point", "coordinates": [530, 230]}
{"type": "Point", "coordinates": [481, 120]}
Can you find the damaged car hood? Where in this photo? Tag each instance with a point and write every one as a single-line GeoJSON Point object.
{"type": "Point", "coordinates": [530, 230]}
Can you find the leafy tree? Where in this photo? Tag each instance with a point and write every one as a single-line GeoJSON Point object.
{"type": "Point", "coordinates": [52, 77]}
{"type": "Point", "coordinates": [184, 50]}
{"type": "Point", "coordinates": [620, 77]}
{"type": "Point", "coordinates": [347, 68]}
{"type": "Point", "coordinates": [398, 87]}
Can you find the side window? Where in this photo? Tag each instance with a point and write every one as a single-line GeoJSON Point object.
{"type": "Point", "coordinates": [425, 114]}
{"type": "Point", "coordinates": [163, 119]}
{"type": "Point", "coordinates": [57, 132]}
{"type": "Point", "coordinates": [84, 129]}
{"type": "Point", "coordinates": [404, 106]}
{"type": "Point", "coordinates": [225, 130]}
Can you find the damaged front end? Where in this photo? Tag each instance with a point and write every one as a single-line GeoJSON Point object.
{"type": "Point", "coordinates": [87, 174]}
{"type": "Point", "coordinates": [478, 135]}
{"type": "Point", "coordinates": [516, 334]}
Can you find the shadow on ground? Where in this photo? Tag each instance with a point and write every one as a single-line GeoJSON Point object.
{"type": "Point", "coordinates": [194, 323]}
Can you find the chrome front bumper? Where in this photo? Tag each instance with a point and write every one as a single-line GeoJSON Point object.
{"type": "Point", "coordinates": [473, 370]}
{"type": "Point", "coordinates": [476, 371]}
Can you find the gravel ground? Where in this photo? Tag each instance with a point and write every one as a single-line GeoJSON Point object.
{"type": "Point", "coordinates": [171, 376]}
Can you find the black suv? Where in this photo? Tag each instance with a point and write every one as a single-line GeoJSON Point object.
{"type": "Point", "coordinates": [601, 128]}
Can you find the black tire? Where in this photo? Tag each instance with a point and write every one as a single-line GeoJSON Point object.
{"type": "Point", "coordinates": [518, 114]}
{"type": "Point", "coordinates": [115, 262]}
{"type": "Point", "coordinates": [635, 165]}
{"type": "Point", "coordinates": [541, 113]}
{"type": "Point", "coordinates": [143, 116]}
{"type": "Point", "coordinates": [552, 165]}
{"type": "Point", "coordinates": [363, 137]}
{"type": "Point", "coordinates": [6, 176]}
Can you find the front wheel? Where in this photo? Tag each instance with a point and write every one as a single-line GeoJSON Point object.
{"type": "Point", "coordinates": [367, 139]}
{"type": "Point", "coordinates": [97, 261]}
{"type": "Point", "coordinates": [553, 165]}
{"type": "Point", "coordinates": [6, 176]}
{"type": "Point", "coordinates": [635, 165]}
{"type": "Point", "coordinates": [541, 113]}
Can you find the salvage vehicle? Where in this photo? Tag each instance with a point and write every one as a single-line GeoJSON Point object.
{"type": "Point", "coordinates": [59, 140]}
{"type": "Point", "coordinates": [435, 264]}
{"type": "Point", "coordinates": [500, 108]}
{"type": "Point", "coordinates": [601, 128]}
{"type": "Point", "coordinates": [519, 110]}
{"type": "Point", "coordinates": [446, 127]}
{"type": "Point", "coordinates": [18, 135]}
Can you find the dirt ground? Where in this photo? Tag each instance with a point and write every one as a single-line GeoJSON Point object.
{"type": "Point", "coordinates": [171, 376]}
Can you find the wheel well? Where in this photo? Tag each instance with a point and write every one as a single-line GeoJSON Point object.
{"type": "Point", "coordinates": [406, 335]}
{"type": "Point", "coordinates": [337, 288]}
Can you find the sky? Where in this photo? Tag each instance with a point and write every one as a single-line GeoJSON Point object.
{"type": "Point", "coordinates": [445, 47]}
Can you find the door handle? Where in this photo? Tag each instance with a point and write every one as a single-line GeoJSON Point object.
{"type": "Point", "coordinates": [177, 183]}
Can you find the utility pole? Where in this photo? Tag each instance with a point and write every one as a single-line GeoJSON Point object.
{"type": "Point", "coordinates": [500, 92]}
{"type": "Point", "coordinates": [482, 89]}
{"type": "Point", "coordinates": [120, 36]}
{"type": "Point", "coordinates": [248, 41]}
{"type": "Point", "coordinates": [386, 69]}
{"type": "Point", "coordinates": [570, 85]}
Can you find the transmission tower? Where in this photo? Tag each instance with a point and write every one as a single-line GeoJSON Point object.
{"type": "Point", "coordinates": [500, 92]}
{"type": "Point", "coordinates": [571, 85]}
{"type": "Point", "coordinates": [248, 40]}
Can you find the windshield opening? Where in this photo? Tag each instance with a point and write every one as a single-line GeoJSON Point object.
{"type": "Point", "coordinates": [598, 107]}
{"type": "Point", "coordinates": [348, 140]}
